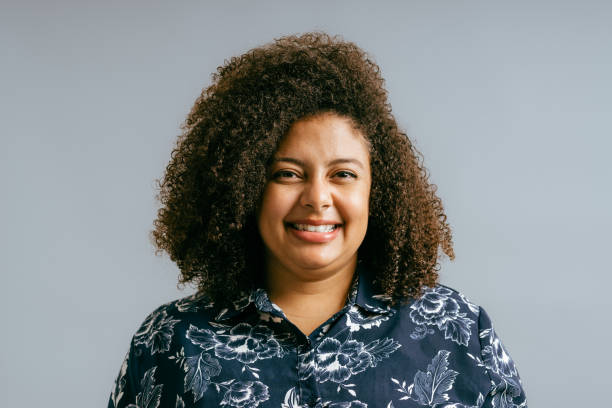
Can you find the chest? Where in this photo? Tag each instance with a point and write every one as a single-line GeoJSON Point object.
{"type": "Point", "coordinates": [353, 361]}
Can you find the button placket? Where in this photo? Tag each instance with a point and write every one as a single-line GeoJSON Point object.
{"type": "Point", "coordinates": [308, 390]}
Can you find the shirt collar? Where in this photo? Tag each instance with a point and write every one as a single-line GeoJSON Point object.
{"type": "Point", "coordinates": [360, 294]}
{"type": "Point", "coordinates": [365, 297]}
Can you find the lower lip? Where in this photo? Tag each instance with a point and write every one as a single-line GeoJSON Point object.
{"type": "Point", "coordinates": [316, 237]}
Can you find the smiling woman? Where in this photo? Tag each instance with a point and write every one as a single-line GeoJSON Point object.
{"type": "Point", "coordinates": [306, 219]}
{"type": "Point", "coordinates": [314, 216]}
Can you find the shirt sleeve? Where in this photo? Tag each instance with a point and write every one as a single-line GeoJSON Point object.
{"type": "Point", "coordinates": [506, 388]}
{"type": "Point", "coordinates": [126, 387]}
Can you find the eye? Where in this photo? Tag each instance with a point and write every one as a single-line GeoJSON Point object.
{"type": "Point", "coordinates": [283, 174]}
{"type": "Point", "coordinates": [346, 174]}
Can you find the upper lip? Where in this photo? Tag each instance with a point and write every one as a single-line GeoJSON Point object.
{"type": "Point", "coordinates": [315, 222]}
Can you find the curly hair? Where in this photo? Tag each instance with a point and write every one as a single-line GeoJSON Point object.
{"type": "Point", "coordinates": [218, 169]}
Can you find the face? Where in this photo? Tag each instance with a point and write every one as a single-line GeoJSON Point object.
{"type": "Point", "coordinates": [314, 211]}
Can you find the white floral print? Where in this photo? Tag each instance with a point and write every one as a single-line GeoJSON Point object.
{"type": "Point", "coordinates": [156, 332]}
{"type": "Point", "coordinates": [247, 344]}
{"type": "Point", "coordinates": [506, 386]}
{"type": "Point", "coordinates": [348, 404]}
{"type": "Point", "coordinates": [429, 353]}
{"type": "Point", "coordinates": [245, 394]}
{"type": "Point", "coordinates": [199, 369]}
{"type": "Point", "coordinates": [437, 308]}
{"type": "Point", "coordinates": [337, 362]}
{"type": "Point", "coordinates": [357, 319]}
{"type": "Point", "coordinates": [120, 381]}
{"type": "Point", "coordinates": [244, 342]}
{"type": "Point", "coordinates": [193, 303]}
{"type": "Point", "coordinates": [494, 355]}
{"type": "Point", "coordinates": [429, 388]}
{"type": "Point", "coordinates": [291, 401]}
{"type": "Point", "coordinates": [150, 395]}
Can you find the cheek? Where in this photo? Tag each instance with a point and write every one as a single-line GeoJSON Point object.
{"type": "Point", "coordinates": [274, 206]}
{"type": "Point", "coordinates": [357, 206]}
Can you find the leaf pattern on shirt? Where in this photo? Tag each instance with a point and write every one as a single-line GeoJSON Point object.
{"type": "Point", "coordinates": [151, 393]}
{"type": "Point", "coordinates": [505, 384]}
{"type": "Point", "coordinates": [291, 399]}
{"type": "Point", "coordinates": [193, 303]}
{"type": "Point", "coordinates": [473, 307]}
{"type": "Point", "coordinates": [504, 393]}
{"type": "Point", "coordinates": [156, 332]}
{"type": "Point", "coordinates": [120, 382]}
{"type": "Point", "coordinates": [381, 349]}
{"type": "Point", "coordinates": [199, 369]}
{"type": "Point", "coordinates": [495, 356]}
{"type": "Point", "coordinates": [429, 387]}
{"type": "Point", "coordinates": [247, 357]}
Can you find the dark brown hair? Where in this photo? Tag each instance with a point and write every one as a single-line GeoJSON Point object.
{"type": "Point", "coordinates": [217, 172]}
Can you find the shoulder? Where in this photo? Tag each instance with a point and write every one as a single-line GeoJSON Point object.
{"type": "Point", "coordinates": [446, 312]}
{"type": "Point", "coordinates": [461, 299]}
{"type": "Point", "coordinates": [170, 321]}
{"type": "Point", "coordinates": [453, 300]}
{"type": "Point", "coordinates": [182, 307]}
{"type": "Point", "coordinates": [161, 350]}
{"type": "Point", "coordinates": [490, 354]}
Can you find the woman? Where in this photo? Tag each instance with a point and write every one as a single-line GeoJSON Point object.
{"type": "Point", "coordinates": [306, 219]}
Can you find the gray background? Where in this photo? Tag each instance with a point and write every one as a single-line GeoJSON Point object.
{"type": "Point", "coordinates": [509, 102]}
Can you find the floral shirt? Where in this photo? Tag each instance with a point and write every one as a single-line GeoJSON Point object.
{"type": "Point", "coordinates": [439, 351]}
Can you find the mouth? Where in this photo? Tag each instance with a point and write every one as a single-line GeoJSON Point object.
{"type": "Point", "coordinates": [314, 228]}
{"type": "Point", "coordinates": [314, 234]}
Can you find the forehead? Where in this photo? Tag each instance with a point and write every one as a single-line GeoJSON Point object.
{"type": "Point", "coordinates": [327, 135]}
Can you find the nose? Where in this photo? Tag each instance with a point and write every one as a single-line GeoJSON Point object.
{"type": "Point", "coordinates": [316, 194]}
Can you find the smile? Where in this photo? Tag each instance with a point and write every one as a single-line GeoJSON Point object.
{"type": "Point", "coordinates": [314, 228]}
{"type": "Point", "coordinates": [316, 234]}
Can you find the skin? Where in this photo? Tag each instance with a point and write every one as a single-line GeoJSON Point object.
{"type": "Point", "coordinates": [310, 281]}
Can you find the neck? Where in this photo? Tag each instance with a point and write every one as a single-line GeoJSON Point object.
{"type": "Point", "coordinates": [309, 300]}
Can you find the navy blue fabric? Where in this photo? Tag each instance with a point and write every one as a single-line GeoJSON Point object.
{"type": "Point", "coordinates": [438, 351]}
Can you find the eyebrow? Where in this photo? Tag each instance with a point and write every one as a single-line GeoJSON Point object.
{"type": "Point", "coordinates": [330, 163]}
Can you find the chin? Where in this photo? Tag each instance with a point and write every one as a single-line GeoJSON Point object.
{"type": "Point", "coordinates": [313, 262]}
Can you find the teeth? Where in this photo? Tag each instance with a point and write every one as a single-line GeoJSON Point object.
{"type": "Point", "coordinates": [314, 228]}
